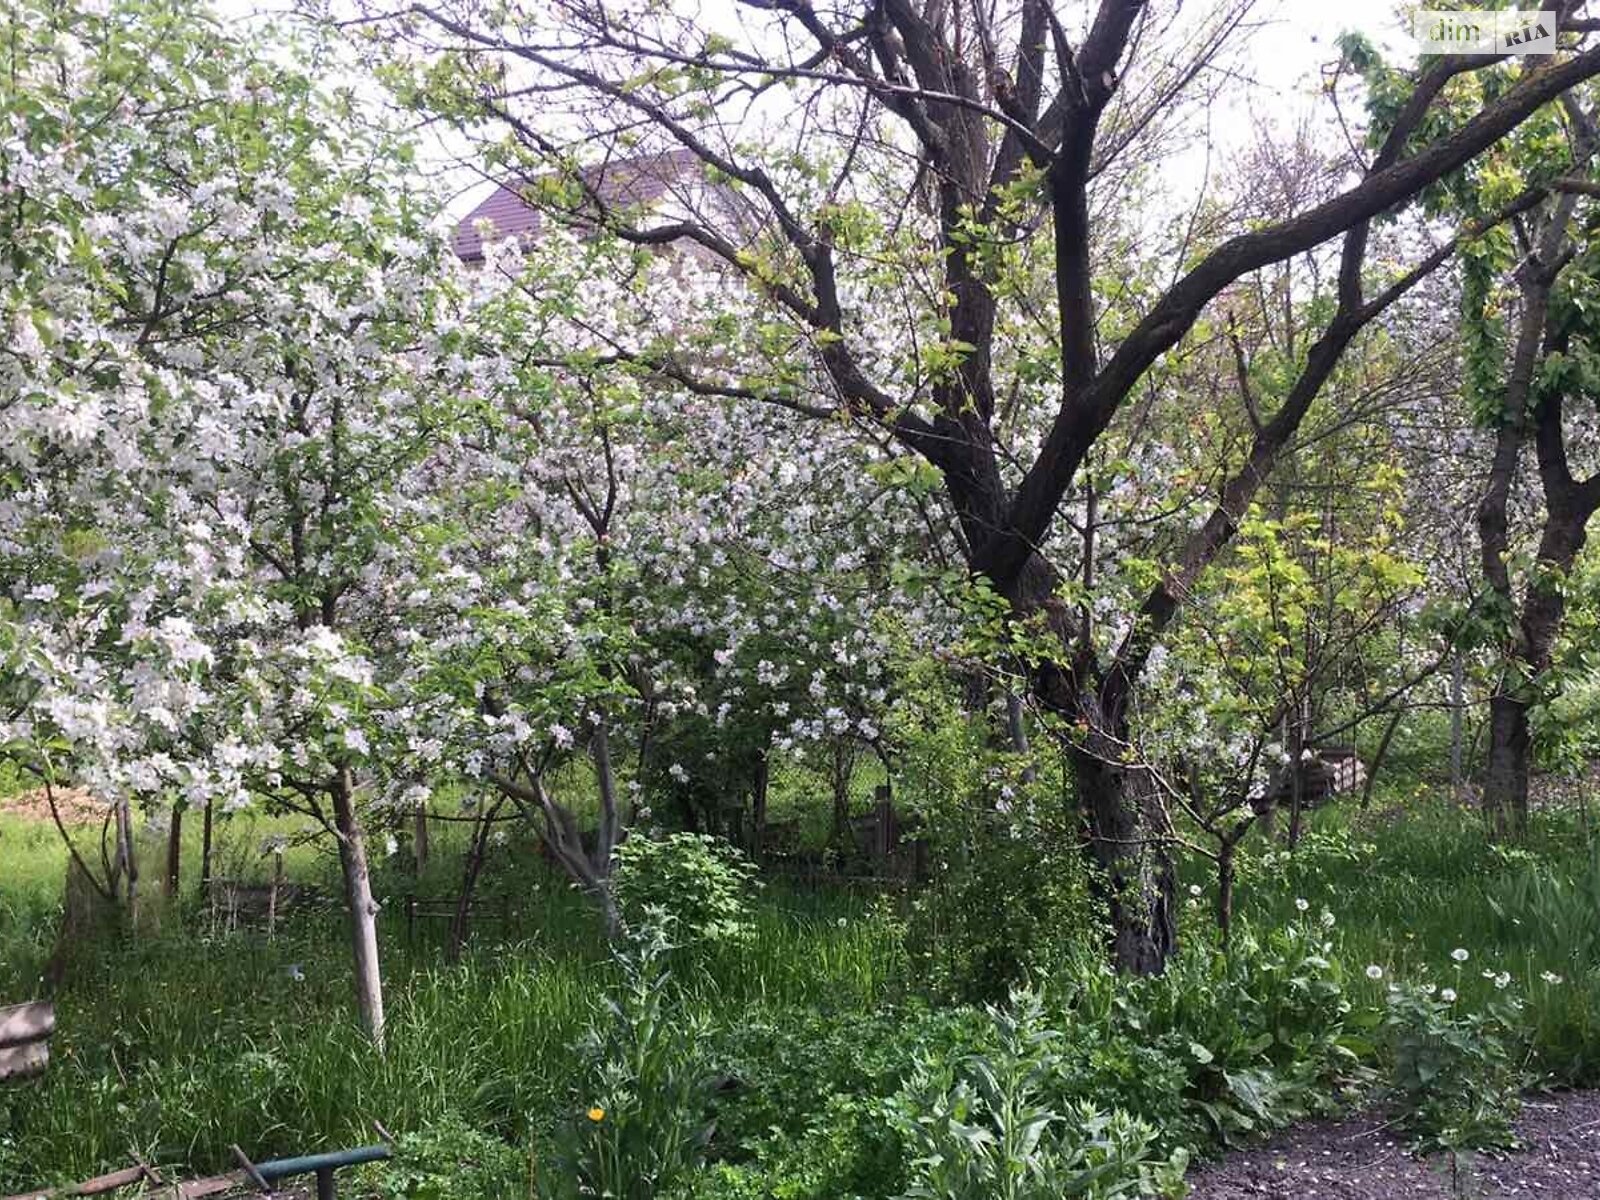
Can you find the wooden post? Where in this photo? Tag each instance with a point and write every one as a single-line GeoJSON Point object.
{"type": "Point", "coordinates": [884, 835]}
{"type": "Point", "coordinates": [1457, 686]}
{"type": "Point", "coordinates": [205, 849]}
{"type": "Point", "coordinates": [272, 894]}
{"type": "Point", "coordinates": [174, 848]}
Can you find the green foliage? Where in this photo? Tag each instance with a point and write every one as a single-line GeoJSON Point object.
{"type": "Point", "coordinates": [981, 1128]}
{"type": "Point", "coordinates": [794, 1045]}
{"type": "Point", "coordinates": [642, 1119]}
{"type": "Point", "coordinates": [450, 1160]}
{"type": "Point", "coordinates": [1223, 1045]}
{"type": "Point", "coordinates": [1556, 915]}
{"type": "Point", "coordinates": [700, 884]}
{"type": "Point", "coordinates": [803, 1104]}
{"type": "Point", "coordinates": [1009, 904]}
{"type": "Point", "coordinates": [1454, 1077]}
{"type": "Point", "coordinates": [1009, 899]}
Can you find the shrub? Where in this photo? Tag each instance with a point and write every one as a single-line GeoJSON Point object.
{"type": "Point", "coordinates": [701, 883]}
{"type": "Point", "coordinates": [449, 1160]}
{"type": "Point", "coordinates": [641, 1113]}
{"type": "Point", "coordinates": [1455, 1078]}
{"type": "Point", "coordinates": [1008, 900]}
{"type": "Point", "coordinates": [980, 1127]}
{"type": "Point", "coordinates": [1221, 1045]}
{"type": "Point", "coordinates": [789, 1063]}
{"type": "Point", "coordinates": [802, 1110]}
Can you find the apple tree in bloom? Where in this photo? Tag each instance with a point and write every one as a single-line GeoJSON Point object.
{"type": "Point", "coordinates": [231, 355]}
{"type": "Point", "coordinates": [644, 577]}
{"type": "Point", "coordinates": [924, 210]}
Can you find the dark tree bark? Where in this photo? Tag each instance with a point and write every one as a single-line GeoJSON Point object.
{"type": "Point", "coordinates": [1136, 878]}
{"type": "Point", "coordinates": [419, 837]}
{"type": "Point", "coordinates": [174, 850]}
{"type": "Point", "coordinates": [758, 805]}
{"type": "Point", "coordinates": [978, 114]}
{"type": "Point", "coordinates": [1382, 753]}
{"type": "Point", "coordinates": [1505, 775]}
{"type": "Point", "coordinates": [1529, 413]}
{"type": "Point", "coordinates": [205, 850]}
{"type": "Point", "coordinates": [1227, 879]}
{"type": "Point", "coordinates": [840, 770]}
{"type": "Point", "coordinates": [477, 852]}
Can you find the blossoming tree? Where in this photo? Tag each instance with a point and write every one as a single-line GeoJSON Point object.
{"type": "Point", "coordinates": [925, 207]}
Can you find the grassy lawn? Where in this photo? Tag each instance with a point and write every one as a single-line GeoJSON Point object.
{"type": "Point", "coordinates": [176, 1039]}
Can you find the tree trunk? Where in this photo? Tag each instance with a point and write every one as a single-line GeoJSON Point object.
{"type": "Point", "coordinates": [1382, 752]}
{"type": "Point", "coordinates": [1225, 882]}
{"type": "Point", "coordinates": [477, 851]}
{"type": "Point", "coordinates": [205, 850]}
{"type": "Point", "coordinates": [174, 850]}
{"type": "Point", "coordinates": [1135, 878]}
{"type": "Point", "coordinates": [419, 838]}
{"type": "Point", "coordinates": [363, 908]}
{"type": "Point", "coordinates": [1505, 780]}
{"type": "Point", "coordinates": [1017, 727]}
{"type": "Point", "coordinates": [843, 768]}
{"type": "Point", "coordinates": [1297, 779]}
{"type": "Point", "coordinates": [1457, 691]}
{"type": "Point", "coordinates": [127, 863]}
{"type": "Point", "coordinates": [758, 804]}
{"type": "Point", "coordinates": [1505, 784]}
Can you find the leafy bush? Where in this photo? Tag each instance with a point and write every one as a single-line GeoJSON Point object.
{"type": "Point", "coordinates": [449, 1160]}
{"type": "Point", "coordinates": [1455, 1078]}
{"type": "Point", "coordinates": [802, 1110]}
{"type": "Point", "coordinates": [1005, 900]}
{"type": "Point", "coordinates": [641, 1119]}
{"type": "Point", "coordinates": [701, 883]}
{"type": "Point", "coordinates": [1221, 1045]}
{"type": "Point", "coordinates": [845, 1149]}
{"type": "Point", "coordinates": [980, 1127]}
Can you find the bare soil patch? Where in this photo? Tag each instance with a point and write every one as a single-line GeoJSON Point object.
{"type": "Point", "coordinates": [1362, 1158]}
{"type": "Point", "coordinates": [76, 806]}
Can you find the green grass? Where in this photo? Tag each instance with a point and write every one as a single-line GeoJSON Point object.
{"type": "Point", "coordinates": [1411, 883]}
{"type": "Point", "coordinates": [175, 1040]}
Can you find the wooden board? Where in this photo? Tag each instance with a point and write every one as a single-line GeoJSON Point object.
{"type": "Point", "coordinates": [28, 1059]}
{"type": "Point", "coordinates": [31, 1022]}
{"type": "Point", "coordinates": [99, 1185]}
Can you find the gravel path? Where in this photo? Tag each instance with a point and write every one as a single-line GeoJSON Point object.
{"type": "Point", "coordinates": [1362, 1158]}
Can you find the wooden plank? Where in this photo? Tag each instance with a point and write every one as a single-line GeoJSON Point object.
{"type": "Point", "coordinates": [30, 1022]}
{"type": "Point", "coordinates": [19, 1061]}
{"type": "Point", "coordinates": [106, 1183]}
{"type": "Point", "coordinates": [195, 1189]}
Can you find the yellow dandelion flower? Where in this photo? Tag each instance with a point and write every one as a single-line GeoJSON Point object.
{"type": "Point", "coordinates": [597, 1114]}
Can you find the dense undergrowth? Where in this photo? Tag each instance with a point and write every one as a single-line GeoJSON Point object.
{"type": "Point", "coordinates": [802, 1049]}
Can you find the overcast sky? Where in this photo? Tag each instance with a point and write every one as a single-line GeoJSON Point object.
{"type": "Point", "coordinates": [1290, 42]}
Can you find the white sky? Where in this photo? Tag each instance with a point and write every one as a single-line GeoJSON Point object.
{"type": "Point", "coordinates": [1290, 42]}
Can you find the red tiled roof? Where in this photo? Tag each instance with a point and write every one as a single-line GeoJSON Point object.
{"type": "Point", "coordinates": [620, 183]}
